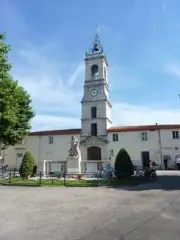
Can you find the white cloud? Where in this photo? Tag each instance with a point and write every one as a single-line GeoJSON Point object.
{"type": "Point", "coordinates": [174, 69]}
{"type": "Point", "coordinates": [43, 78]}
{"type": "Point", "coordinates": [122, 79]}
{"type": "Point", "coordinates": [127, 114]}
{"type": "Point", "coordinates": [47, 122]}
{"type": "Point", "coordinates": [123, 114]}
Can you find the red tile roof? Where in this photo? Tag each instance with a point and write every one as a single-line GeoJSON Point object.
{"type": "Point", "coordinates": [144, 128]}
{"type": "Point", "coordinates": [56, 132]}
{"type": "Point", "coordinates": [112, 129]}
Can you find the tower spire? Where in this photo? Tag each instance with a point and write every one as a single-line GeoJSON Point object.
{"type": "Point", "coordinates": [96, 46]}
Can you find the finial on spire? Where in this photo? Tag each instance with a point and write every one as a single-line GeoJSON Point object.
{"type": "Point", "coordinates": [97, 30]}
{"type": "Point", "coordinates": [97, 46]}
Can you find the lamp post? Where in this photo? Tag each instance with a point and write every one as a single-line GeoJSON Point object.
{"type": "Point", "coordinates": [160, 144]}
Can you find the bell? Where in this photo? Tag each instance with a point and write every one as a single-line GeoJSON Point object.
{"type": "Point", "coordinates": [95, 49]}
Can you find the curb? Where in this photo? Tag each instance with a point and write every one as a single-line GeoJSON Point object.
{"type": "Point", "coordinates": [21, 185]}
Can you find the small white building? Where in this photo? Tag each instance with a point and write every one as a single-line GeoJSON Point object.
{"type": "Point", "coordinates": [99, 140]}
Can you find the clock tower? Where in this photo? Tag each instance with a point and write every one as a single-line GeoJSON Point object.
{"type": "Point", "coordinates": [96, 107]}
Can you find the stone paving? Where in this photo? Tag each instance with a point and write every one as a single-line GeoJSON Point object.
{"type": "Point", "coordinates": [150, 211]}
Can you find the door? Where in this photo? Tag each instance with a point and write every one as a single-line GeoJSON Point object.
{"type": "Point", "coordinates": [93, 153]}
{"type": "Point", "coordinates": [145, 159]}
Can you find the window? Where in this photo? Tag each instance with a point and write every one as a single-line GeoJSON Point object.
{"type": "Point", "coordinates": [115, 137]}
{"type": "Point", "coordinates": [94, 71]}
{"type": "Point", "coordinates": [175, 134]}
{"type": "Point", "coordinates": [19, 155]}
{"type": "Point", "coordinates": [93, 112]}
{"type": "Point", "coordinates": [144, 136]}
{"type": "Point", "coordinates": [93, 129]}
{"type": "Point", "coordinates": [51, 140]}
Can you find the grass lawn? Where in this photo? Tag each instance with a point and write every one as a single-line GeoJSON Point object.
{"type": "Point", "coordinates": [125, 181]}
{"type": "Point", "coordinates": [50, 182]}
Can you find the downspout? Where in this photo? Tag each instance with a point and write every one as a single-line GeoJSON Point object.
{"type": "Point", "coordinates": [160, 144]}
{"type": "Point", "coordinates": [39, 154]}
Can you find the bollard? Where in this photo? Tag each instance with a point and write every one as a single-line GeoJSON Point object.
{"type": "Point", "coordinates": [98, 179]}
{"type": "Point", "coordinates": [64, 179]}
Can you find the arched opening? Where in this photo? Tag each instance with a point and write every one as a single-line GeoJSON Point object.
{"type": "Point", "coordinates": [94, 71]}
{"type": "Point", "coordinates": [94, 153]}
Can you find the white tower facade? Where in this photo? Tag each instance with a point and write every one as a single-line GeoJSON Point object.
{"type": "Point", "coordinates": [96, 107]}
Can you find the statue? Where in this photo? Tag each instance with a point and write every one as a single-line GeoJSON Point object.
{"type": "Point", "coordinates": [73, 151]}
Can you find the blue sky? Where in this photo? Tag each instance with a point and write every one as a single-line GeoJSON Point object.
{"type": "Point", "coordinates": [141, 40]}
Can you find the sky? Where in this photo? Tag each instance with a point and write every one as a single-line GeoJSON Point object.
{"type": "Point", "coordinates": [141, 39]}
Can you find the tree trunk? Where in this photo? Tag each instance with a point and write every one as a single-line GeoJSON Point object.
{"type": "Point", "coordinates": [2, 148]}
{"type": "Point", "coordinates": [1, 157]}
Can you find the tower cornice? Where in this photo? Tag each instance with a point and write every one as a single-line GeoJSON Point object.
{"type": "Point", "coordinates": [97, 100]}
{"type": "Point", "coordinates": [92, 57]}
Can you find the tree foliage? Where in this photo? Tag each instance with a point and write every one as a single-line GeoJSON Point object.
{"type": "Point", "coordinates": [123, 163]}
{"type": "Point", "coordinates": [27, 166]}
{"type": "Point", "coordinates": [15, 109]}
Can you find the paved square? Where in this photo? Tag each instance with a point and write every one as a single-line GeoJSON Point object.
{"type": "Point", "coordinates": [146, 212]}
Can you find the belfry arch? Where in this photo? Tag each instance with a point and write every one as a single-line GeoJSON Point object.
{"type": "Point", "coordinates": [95, 71]}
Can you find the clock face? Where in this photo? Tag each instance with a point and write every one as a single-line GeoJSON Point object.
{"type": "Point", "coordinates": [94, 92]}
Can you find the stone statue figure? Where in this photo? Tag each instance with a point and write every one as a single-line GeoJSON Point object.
{"type": "Point", "coordinates": [73, 151]}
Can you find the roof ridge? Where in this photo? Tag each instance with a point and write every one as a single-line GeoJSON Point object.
{"type": "Point", "coordinates": [121, 128]}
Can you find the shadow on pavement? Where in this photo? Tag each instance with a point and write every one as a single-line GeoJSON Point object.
{"type": "Point", "coordinates": [167, 183]}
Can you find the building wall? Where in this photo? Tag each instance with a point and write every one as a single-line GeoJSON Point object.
{"type": "Point", "coordinates": [10, 157]}
{"type": "Point", "coordinates": [58, 151]}
{"type": "Point", "coordinates": [41, 149]}
{"type": "Point", "coordinates": [170, 146]}
{"type": "Point", "coordinates": [109, 115]}
{"type": "Point", "coordinates": [133, 143]}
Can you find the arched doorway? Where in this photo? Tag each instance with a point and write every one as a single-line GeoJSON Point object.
{"type": "Point", "coordinates": [94, 153]}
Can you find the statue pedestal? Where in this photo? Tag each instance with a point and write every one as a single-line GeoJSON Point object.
{"type": "Point", "coordinates": [72, 165]}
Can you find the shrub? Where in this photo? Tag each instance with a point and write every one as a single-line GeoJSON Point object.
{"type": "Point", "coordinates": [123, 164]}
{"type": "Point", "coordinates": [34, 170]}
{"type": "Point", "coordinates": [27, 165]}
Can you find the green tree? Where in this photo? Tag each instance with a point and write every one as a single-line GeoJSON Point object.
{"type": "Point", "coordinates": [15, 109]}
{"type": "Point", "coordinates": [123, 164]}
{"type": "Point", "coordinates": [27, 166]}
